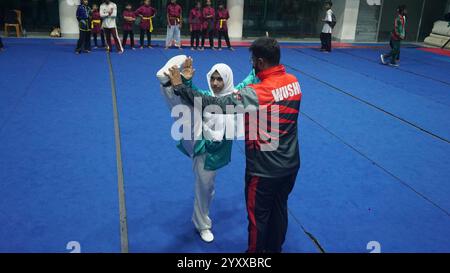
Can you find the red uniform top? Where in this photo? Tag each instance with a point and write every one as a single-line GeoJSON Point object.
{"type": "Point", "coordinates": [399, 28]}
{"type": "Point", "coordinates": [174, 14]}
{"type": "Point", "coordinates": [196, 19]}
{"type": "Point", "coordinates": [96, 23]}
{"type": "Point", "coordinates": [127, 25]}
{"type": "Point", "coordinates": [208, 23]}
{"type": "Point", "coordinates": [221, 19]}
{"type": "Point", "coordinates": [146, 12]}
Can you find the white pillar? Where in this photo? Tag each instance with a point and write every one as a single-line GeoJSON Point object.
{"type": "Point", "coordinates": [236, 21]}
{"type": "Point", "coordinates": [67, 17]}
{"type": "Point", "coordinates": [346, 12]}
{"type": "Point", "coordinates": [350, 20]}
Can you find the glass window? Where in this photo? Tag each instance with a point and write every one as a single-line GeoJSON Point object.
{"type": "Point", "coordinates": [42, 15]}
{"type": "Point", "coordinates": [160, 22]}
{"type": "Point", "coordinates": [37, 15]}
{"type": "Point", "coordinates": [433, 11]}
{"type": "Point", "coordinates": [289, 18]}
{"type": "Point", "coordinates": [388, 18]}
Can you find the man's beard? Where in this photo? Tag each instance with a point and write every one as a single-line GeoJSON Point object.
{"type": "Point", "coordinates": [256, 70]}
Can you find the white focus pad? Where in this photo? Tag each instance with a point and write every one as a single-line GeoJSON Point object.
{"type": "Point", "coordinates": [177, 60]}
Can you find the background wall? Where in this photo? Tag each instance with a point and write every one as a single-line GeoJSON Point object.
{"type": "Point", "coordinates": [37, 15]}
{"type": "Point", "coordinates": [357, 19]}
{"type": "Point", "coordinates": [368, 18]}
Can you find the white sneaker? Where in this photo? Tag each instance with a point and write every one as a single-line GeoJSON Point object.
{"type": "Point", "coordinates": [206, 235]}
{"type": "Point", "coordinates": [177, 60]}
{"type": "Point", "coordinates": [382, 59]}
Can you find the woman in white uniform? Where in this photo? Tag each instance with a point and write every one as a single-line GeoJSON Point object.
{"type": "Point", "coordinates": [213, 151]}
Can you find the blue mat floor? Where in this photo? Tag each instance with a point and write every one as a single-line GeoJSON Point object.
{"type": "Point", "coordinates": [57, 155]}
{"type": "Point", "coordinates": [374, 147]}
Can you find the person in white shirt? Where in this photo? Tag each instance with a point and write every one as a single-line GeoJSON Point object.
{"type": "Point", "coordinates": [108, 13]}
{"type": "Point", "coordinates": [325, 36]}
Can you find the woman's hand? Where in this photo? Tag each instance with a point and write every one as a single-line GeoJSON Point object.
{"type": "Point", "coordinates": [188, 70]}
{"type": "Point", "coordinates": [174, 76]}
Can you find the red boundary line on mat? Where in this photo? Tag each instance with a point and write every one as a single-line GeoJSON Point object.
{"type": "Point", "coordinates": [439, 51]}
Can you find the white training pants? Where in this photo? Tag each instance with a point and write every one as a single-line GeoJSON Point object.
{"type": "Point", "coordinates": [173, 33]}
{"type": "Point", "coordinates": [204, 193]}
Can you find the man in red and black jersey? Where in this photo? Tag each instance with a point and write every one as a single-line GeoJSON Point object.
{"type": "Point", "coordinates": [272, 150]}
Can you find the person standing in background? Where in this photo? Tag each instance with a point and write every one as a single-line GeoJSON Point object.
{"type": "Point", "coordinates": [174, 24]}
{"type": "Point", "coordinates": [325, 36]}
{"type": "Point", "coordinates": [108, 13]}
{"type": "Point", "coordinates": [195, 24]}
{"type": "Point", "coordinates": [96, 26]}
{"type": "Point", "coordinates": [146, 12]}
{"type": "Point", "coordinates": [221, 25]}
{"type": "Point", "coordinates": [83, 17]}
{"type": "Point", "coordinates": [128, 21]}
{"type": "Point", "coordinates": [208, 25]}
{"type": "Point", "coordinates": [397, 36]}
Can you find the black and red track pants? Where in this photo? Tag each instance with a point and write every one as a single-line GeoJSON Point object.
{"type": "Point", "coordinates": [266, 200]}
